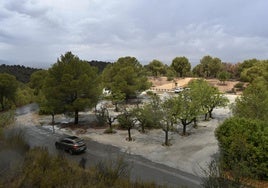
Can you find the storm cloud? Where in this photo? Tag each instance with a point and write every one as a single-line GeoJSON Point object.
{"type": "Point", "coordinates": [36, 33]}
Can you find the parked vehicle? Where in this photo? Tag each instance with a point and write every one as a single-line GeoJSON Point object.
{"type": "Point", "coordinates": [178, 89]}
{"type": "Point", "coordinates": [71, 144]}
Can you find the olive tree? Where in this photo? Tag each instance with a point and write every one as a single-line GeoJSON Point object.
{"type": "Point", "coordinates": [206, 97]}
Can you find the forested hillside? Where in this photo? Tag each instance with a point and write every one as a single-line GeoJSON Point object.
{"type": "Point", "coordinates": [21, 72]}
{"type": "Point", "coordinates": [99, 64]}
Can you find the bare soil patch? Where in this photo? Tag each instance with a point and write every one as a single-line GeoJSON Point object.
{"type": "Point", "coordinates": [161, 83]}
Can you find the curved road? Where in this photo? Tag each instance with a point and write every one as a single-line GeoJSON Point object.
{"type": "Point", "coordinates": [141, 168]}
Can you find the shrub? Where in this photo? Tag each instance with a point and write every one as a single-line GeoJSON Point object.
{"type": "Point", "coordinates": [243, 144]}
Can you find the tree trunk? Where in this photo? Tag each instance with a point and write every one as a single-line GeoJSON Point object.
{"type": "Point", "coordinates": [166, 138]}
{"type": "Point", "coordinates": [142, 128]}
{"type": "Point", "coordinates": [129, 135]}
{"type": "Point", "coordinates": [195, 123]}
{"type": "Point", "coordinates": [184, 129]}
{"type": "Point", "coordinates": [206, 116]}
{"type": "Point", "coordinates": [53, 119]}
{"type": "Point", "coordinates": [210, 114]}
{"type": "Point", "coordinates": [76, 117]}
{"type": "Point", "coordinates": [116, 107]}
{"type": "Point", "coordinates": [110, 125]}
{"type": "Point", "coordinates": [53, 122]}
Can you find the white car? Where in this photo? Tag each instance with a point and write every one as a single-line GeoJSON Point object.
{"type": "Point", "coordinates": [178, 89]}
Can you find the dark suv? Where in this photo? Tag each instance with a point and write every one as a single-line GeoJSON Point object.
{"type": "Point", "coordinates": [72, 144]}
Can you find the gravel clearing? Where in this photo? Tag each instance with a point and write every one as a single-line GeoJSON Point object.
{"type": "Point", "coordinates": [189, 153]}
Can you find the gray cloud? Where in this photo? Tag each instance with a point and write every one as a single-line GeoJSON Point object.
{"type": "Point", "coordinates": [40, 31]}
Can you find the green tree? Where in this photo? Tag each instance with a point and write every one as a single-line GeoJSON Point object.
{"type": "Point", "coordinates": [24, 95]}
{"type": "Point", "coordinates": [243, 144]}
{"type": "Point", "coordinates": [254, 101]}
{"type": "Point", "coordinates": [223, 76]}
{"type": "Point", "coordinates": [72, 84]}
{"type": "Point", "coordinates": [187, 108]}
{"type": "Point", "coordinates": [168, 118]}
{"type": "Point", "coordinates": [156, 67]}
{"type": "Point", "coordinates": [37, 80]}
{"type": "Point", "coordinates": [246, 64]}
{"type": "Point", "coordinates": [125, 76]}
{"type": "Point", "coordinates": [8, 88]}
{"type": "Point", "coordinates": [127, 120]}
{"type": "Point", "coordinates": [181, 65]}
{"type": "Point", "coordinates": [209, 67]}
{"type": "Point", "coordinates": [206, 97]}
{"type": "Point", "coordinates": [258, 69]}
{"type": "Point", "coordinates": [149, 115]}
{"type": "Point", "coordinates": [144, 117]}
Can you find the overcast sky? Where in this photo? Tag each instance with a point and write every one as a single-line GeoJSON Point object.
{"type": "Point", "coordinates": [36, 32]}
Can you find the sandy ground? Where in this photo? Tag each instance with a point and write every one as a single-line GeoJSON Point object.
{"type": "Point", "coordinates": [161, 84]}
{"type": "Point", "coordinates": [188, 153]}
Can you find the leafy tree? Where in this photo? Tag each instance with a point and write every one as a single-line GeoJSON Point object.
{"type": "Point", "coordinates": [24, 95]}
{"type": "Point", "coordinates": [223, 76]}
{"type": "Point", "coordinates": [246, 64]}
{"type": "Point", "coordinates": [258, 69]}
{"type": "Point", "coordinates": [168, 118]}
{"type": "Point", "coordinates": [71, 84]}
{"type": "Point", "coordinates": [181, 65]}
{"type": "Point", "coordinates": [127, 120]}
{"type": "Point", "coordinates": [243, 144]}
{"type": "Point", "coordinates": [117, 97]}
{"type": "Point", "coordinates": [217, 99]}
{"type": "Point", "coordinates": [198, 70]}
{"type": "Point", "coordinates": [156, 67]}
{"type": "Point", "coordinates": [170, 73]}
{"type": "Point", "coordinates": [187, 108]}
{"type": "Point", "coordinates": [232, 69]}
{"type": "Point", "coordinates": [37, 80]}
{"type": "Point", "coordinates": [209, 67]}
{"type": "Point", "coordinates": [106, 117]}
{"type": "Point", "coordinates": [144, 116]}
{"type": "Point", "coordinates": [150, 114]}
{"type": "Point", "coordinates": [8, 88]}
{"type": "Point", "coordinates": [206, 97]}
{"type": "Point", "coordinates": [254, 101]}
{"type": "Point", "coordinates": [125, 76]}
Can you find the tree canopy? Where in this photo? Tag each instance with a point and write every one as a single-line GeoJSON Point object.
{"type": "Point", "coordinates": [156, 67]}
{"type": "Point", "coordinates": [244, 145]}
{"type": "Point", "coordinates": [209, 67]}
{"type": "Point", "coordinates": [125, 76]}
{"type": "Point", "coordinates": [72, 85]}
{"type": "Point", "coordinates": [8, 88]}
{"type": "Point", "coordinates": [254, 101]}
{"type": "Point", "coordinates": [206, 96]}
{"type": "Point", "coordinates": [181, 65]}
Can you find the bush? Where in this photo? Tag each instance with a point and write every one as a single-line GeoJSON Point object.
{"type": "Point", "coordinates": [110, 171]}
{"type": "Point", "coordinates": [6, 118]}
{"type": "Point", "coordinates": [244, 144]}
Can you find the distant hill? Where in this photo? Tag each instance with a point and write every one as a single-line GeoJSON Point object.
{"type": "Point", "coordinates": [21, 72]}
{"type": "Point", "coordinates": [99, 64]}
